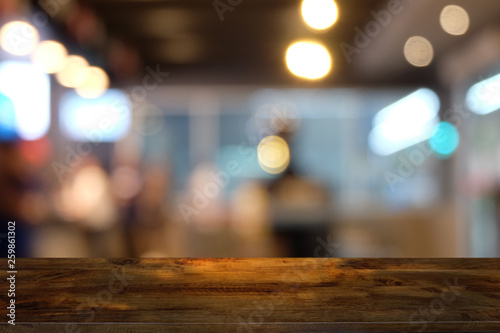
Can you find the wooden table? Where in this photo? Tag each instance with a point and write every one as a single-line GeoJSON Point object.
{"type": "Point", "coordinates": [255, 295]}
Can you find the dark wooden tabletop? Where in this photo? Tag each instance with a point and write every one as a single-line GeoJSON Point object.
{"type": "Point", "coordinates": [255, 295]}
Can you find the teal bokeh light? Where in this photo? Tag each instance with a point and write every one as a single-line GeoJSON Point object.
{"type": "Point", "coordinates": [445, 139]}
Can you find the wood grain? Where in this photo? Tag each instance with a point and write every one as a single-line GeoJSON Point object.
{"type": "Point", "coordinates": [256, 295]}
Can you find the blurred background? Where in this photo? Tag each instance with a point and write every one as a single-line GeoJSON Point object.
{"type": "Point", "coordinates": [238, 128]}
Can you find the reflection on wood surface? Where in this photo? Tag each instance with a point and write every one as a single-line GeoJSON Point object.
{"type": "Point", "coordinates": [257, 295]}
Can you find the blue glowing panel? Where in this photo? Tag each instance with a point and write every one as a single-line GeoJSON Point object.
{"type": "Point", "coordinates": [28, 88]}
{"type": "Point", "coordinates": [445, 139]}
{"type": "Point", "coordinates": [7, 119]}
{"type": "Point", "coordinates": [404, 123]}
{"type": "Point", "coordinates": [103, 119]}
{"type": "Point", "coordinates": [484, 96]}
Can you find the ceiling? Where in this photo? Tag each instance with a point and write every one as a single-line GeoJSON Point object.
{"type": "Point", "coordinates": [189, 39]}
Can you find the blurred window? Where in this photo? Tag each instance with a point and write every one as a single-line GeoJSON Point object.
{"type": "Point", "coordinates": [330, 144]}
{"type": "Point", "coordinates": [166, 142]}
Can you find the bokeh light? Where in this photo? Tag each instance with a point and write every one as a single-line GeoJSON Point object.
{"type": "Point", "coordinates": [418, 51]}
{"type": "Point", "coordinates": [445, 139]}
{"type": "Point", "coordinates": [107, 118]}
{"type": "Point", "coordinates": [319, 14]}
{"type": "Point", "coordinates": [273, 154]}
{"type": "Point", "coordinates": [19, 38]}
{"type": "Point", "coordinates": [94, 83]}
{"type": "Point", "coordinates": [71, 75]}
{"type": "Point", "coordinates": [454, 20]}
{"type": "Point", "coordinates": [91, 189]}
{"type": "Point", "coordinates": [404, 123]}
{"type": "Point", "coordinates": [29, 90]}
{"type": "Point", "coordinates": [50, 56]}
{"type": "Point", "coordinates": [36, 152]}
{"type": "Point", "coordinates": [484, 96]}
{"type": "Point", "coordinates": [7, 119]}
{"type": "Point", "coordinates": [308, 60]}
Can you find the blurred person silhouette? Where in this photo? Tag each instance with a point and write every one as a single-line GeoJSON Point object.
{"type": "Point", "coordinates": [126, 184]}
{"type": "Point", "coordinates": [299, 206]}
{"type": "Point", "coordinates": [16, 181]}
{"type": "Point", "coordinates": [300, 213]}
{"type": "Point", "coordinates": [149, 213]}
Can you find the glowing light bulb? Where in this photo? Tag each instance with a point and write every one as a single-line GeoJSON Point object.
{"type": "Point", "coordinates": [19, 38]}
{"type": "Point", "coordinates": [454, 20]}
{"type": "Point", "coordinates": [319, 14]}
{"type": "Point", "coordinates": [50, 56]}
{"type": "Point", "coordinates": [273, 154]}
{"type": "Point", "coordinates": [71, 75]}
{"type": "Point", "coordinates": [94, 83]}
{"type": "Point", "coordinates": [308, 60]}
{"type": "Point", "coordinates": [418, 51]}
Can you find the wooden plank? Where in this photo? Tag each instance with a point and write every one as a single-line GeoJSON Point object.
{"type": "Point", "coordinates": [256, 295]}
